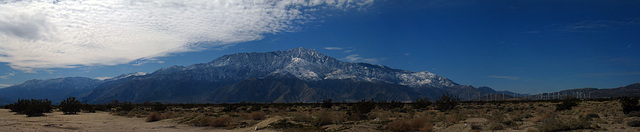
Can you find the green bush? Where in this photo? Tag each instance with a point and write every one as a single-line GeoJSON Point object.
{"type": "Point", "coordinates": [70, 105]}
{"type": "Point", "coordinates": [447, 102]}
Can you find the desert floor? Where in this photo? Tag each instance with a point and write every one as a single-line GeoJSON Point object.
{"type": "Point", "coordinates": [99, 121]}
{"type": "Point", "coordinates": [520, 117]}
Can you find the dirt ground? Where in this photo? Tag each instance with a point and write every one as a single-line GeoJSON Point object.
{"type": "Point", "coordinates": [99, 121]}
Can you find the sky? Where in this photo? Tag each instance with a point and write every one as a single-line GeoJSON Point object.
{"type": "Point", "coordinates": [521, 46]}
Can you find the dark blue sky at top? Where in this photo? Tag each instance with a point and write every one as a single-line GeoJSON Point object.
{"type": "Point", "coordinates": [520, 46]}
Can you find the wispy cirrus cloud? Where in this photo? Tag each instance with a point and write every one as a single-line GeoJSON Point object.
{"type": "Point", "coordinates": [333, 48]}
{"type": "Point", "coordinates": [505, 77]}
{"type": "Point", "coordinates": [6, 76]}
{"type": "Point", "coordinates": [599, 26]}
{"type": "Point", "coordinates": [68, 34]}
{"type": "Point", "coordinates": [357, 58]}
{"type": "Point", "coordinates": [611, 74]}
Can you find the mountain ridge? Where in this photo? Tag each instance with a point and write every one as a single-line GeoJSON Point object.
{"type": "Point", "coordinates": [293, 75]}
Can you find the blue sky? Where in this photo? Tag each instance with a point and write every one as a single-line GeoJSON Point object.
{"type": "Point", "coordinates": [520, 46]}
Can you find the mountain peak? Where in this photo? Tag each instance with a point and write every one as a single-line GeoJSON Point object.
{"type": "Point", "coordinates": [301, 52]}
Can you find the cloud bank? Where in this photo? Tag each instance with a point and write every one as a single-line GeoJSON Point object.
{"type": "Point", "coordinates": [68, 34]}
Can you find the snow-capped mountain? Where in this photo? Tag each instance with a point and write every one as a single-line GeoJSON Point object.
{"type": "Point", "coordinates": [308, 65]}
{"type": "Point", "coordinates": [294, 75]}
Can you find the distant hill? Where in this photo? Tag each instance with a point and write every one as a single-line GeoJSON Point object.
{"type": "Point", "coordinates": [294, 75]}
{"type": "Point", "coordinates": [631, 90]}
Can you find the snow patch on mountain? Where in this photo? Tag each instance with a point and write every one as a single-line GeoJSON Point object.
{"type": "Point", "coordinates": [128, 75]}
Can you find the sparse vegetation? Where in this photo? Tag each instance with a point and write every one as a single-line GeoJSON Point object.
{"type": "Point", "coordinates": [70, 106]}
{"type": "Point", "coordinates": [629, 104]}
{"type": "Point", "coordinates": [421, 103]}
{"type": "Point", "coordinates": [360, 109]}
{"type": "Point", "coordinates": [567, 104]}
{"type": "Point", "coordinates": [383, 115]}
{"type": "Point", "coordinates": [447, 102]}
{"type": "Point", "coordinates": [32, 107]}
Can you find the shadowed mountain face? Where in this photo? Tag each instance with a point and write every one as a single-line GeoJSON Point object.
{"type": "Point", "coordinates": [294, 75]}
{"type": "Point", "coordinates": [55, 90]}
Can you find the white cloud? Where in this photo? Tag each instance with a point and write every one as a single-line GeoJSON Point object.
{"type": "Point", "coordinates": [67, 34]}
{"type": "Point", "coordinates": [103, 78]}
{"type": "Point", "coordinates": [357, 58]}
{"type": "Point", "coordinates": [5, 85]}
{"type": "Point", "coordinates": [505, 77]}
{"type": "Point", "coordinates": [6, 76]}
{"type": "Point", "coordinates": [333, 48]}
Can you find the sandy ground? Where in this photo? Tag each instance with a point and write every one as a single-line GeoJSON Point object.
{"type": "Point", "coordinates": [99, 121]}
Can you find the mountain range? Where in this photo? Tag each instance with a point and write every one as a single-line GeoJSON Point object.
{"type": "Point", "coordinates": [293, 75]}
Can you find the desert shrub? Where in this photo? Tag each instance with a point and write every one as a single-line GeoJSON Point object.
{"type": "Point", "coordinates": [70, 106]}
{"type": "Point", "coordinates": [453, 118]}
{"type": "Point", "coordinates": [495, 126]}
{"type": "Point", "coordinates": [169, 115]}
{"type": "Point", "coordinates": [284, 125]}
{"type": "Point", "coordinates": [393, 105]}
{"type": "Point", "coordinates": [634, 123]}
{"type": "Point", "coordinates": [257, 115]}
{"type": "Point", "coordinates": [629, 104]}
{"type": "Point", "coordinates": [447, 102]}
{"type": "Point", "coordinates": [155, 116]}
{"type": "Point", "coordinates": [326, 103]}
{"type": "Point", "coordinates": [323, 118]}
{"type": "Point", "coordinates": [87, 108]}
{"type": "Point", "coordinates": [124, 106]}
{"type": "Point", "coordinates": [300, 117]}
{"type": "Point", "coordinates": [475, 126]}
{"type": "Point", "coordinates": [212, 121]}
{"type": "Point", "coordinates": [361, 109]}
{"type": "Point", "coordinates": [593, 115]}
{"type": "Point", "coordinates": [421, 103]}
{"type": "Point", "coordinates": [37, 107]}
{"type": "Point", "coordinates": [414, 124]}
{"type": "Point", "coordinates": [567, 104]}
{"type": "Point", "coordinates": [229, 107]}
{"type": "Point", "coordinates": [496, 117]}
{"type": "Point", "coordinates": [158, 107]}
{"type": "Point", "coordinates": [255, 108]}
{"type": "Point", "coordinates": [221, 122]}
{"type": "Point", "coordinates": [33, 107]}
{"type": "Point", "coordinates": [399, 126]}
{"type": "Point", "coordinates": [554, 125]}
{"type": "Point", "coordinates": [202, 120]}
{"type": "Point", "coordinates": [326, 117]}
